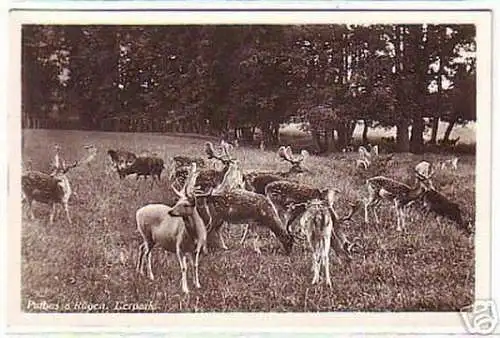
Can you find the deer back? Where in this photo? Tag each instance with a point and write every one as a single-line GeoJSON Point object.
{"type": "Point", "coordinates": [42, 187]}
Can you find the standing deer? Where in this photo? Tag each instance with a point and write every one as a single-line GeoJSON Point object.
{"type": "Point", "coordinates": [318, 224]}
{"type": "Point", "coordinates": [234, 205]}
{"type": "Point", "coordinates": [179, 229]}
{"type": "Point", "coordinates": [52, 189]}
{"type": "Point", "coordinates": [289, 199]}
{"type": "Point", "coordinates": [400, 194]}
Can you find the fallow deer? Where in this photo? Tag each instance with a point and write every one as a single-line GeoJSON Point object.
{"type": "Point", "coordinates": [440, 205]}
{"type": "Point", "coordinates": [178, 229]}
{"type": "Point", "coordinates": [381, 187]}
{"type": "Point", "coordinates": [52, 189]}
{"type": "Point", "coordinates": [452, 162]}
{"type": "Point", "coordinates": [234, 205]}
{"type": "Point", "coordinates": [258, 180]}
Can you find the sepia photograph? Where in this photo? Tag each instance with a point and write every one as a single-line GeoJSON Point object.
{"type": "Point", "coordinates": [260, 166]}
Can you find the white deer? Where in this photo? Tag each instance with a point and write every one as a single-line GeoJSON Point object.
{"type": "Point", "coordinates": [178, 229]}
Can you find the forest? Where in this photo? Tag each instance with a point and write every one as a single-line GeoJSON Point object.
{"type": "Point", "coordinates": [236, 80]}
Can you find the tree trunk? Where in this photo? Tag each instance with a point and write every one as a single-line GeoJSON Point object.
{"type": "Point", "coordinates": [448, 131]}
{"type": "Point", "coordinates": [343, 132]}
{"type": "Point", "coordinates": [435, 127]}
{"type": "Point", "coordinates": [316, 140]}
{"type": "Point", "coordinates": [403, 144]}
{"type": "Point", "coordinates": [417, 136]}
{"type": "Point", "coordinates": [365, 132]}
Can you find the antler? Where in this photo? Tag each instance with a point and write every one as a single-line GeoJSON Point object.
{"type": "Point", "coordinates": [233, 178]}
{"type": "Point", "coordinates": [286, 154]}
{"type": "Point", "coordinates": [225, 158]}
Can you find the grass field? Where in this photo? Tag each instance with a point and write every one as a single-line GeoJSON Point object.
{"type": "Point", "coordinates": [90, 265]}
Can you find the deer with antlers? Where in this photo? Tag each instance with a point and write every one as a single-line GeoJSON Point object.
{"type": "Point", "coordinates": [384, 188]}
{"type": "Point", "coordinates": [366, 157]}
{"type": "Point", "coordinates": [207, 178]}
{"type": "Point", "coordinates": [257, 180]}
{"type": "Point", "coordinates": [229, 203]}
{"type": "Point", "coordinates": [53, 188]}
{"type": "Point", "coordinates": [179, 229]}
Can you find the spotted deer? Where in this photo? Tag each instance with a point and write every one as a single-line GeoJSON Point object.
{"type": "Point", "coordinates": [51, 189]}
{"type": "Point", "coordinates": [318, 224]}
{"type": "Point", "coordinates": [384, 188]}
{"type": "Point", "coordinates": [288, 196]}
{"type": "Point", "coordinates": [179, 229]}
{"type": "Point", "coordinates": [207, 178]}
{"type": "Point", "coordinates": [228, 202]}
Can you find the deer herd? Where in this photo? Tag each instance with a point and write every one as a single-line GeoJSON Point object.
{"type": "Point", "coordinates": [209, 198]}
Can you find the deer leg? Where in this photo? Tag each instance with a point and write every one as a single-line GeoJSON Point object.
{"type": "Point", "coordinates": [196, 265]}
{"type": "Point", "coordinates": [52, 213]}
{"type": "Point", "coordinates": [256, 244]}
{"type": "Point", "coordinates": [148, 255]}
{"type": "Point", "coordinates": [183, 263]}
{"type": "Point", "coordinates": [245, 233]}
{"type": "Point", "coordinates": [316, 265]}
{"type": "Point", "coordinates": [221, 239]}
{"type": "Point", "coordinates": [66, 209]}
{"type": "Point", "coordinates": [139, 267]}
{"type": "Point", "coordinates": [400, 213]}
{"type": "Point", "coordinates": [326, 262]}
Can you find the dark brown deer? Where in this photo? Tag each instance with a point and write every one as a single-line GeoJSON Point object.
{"type": "Point", "coordinates": [121, 159]}
{"type": "Point", "coordinates": [441, 206]}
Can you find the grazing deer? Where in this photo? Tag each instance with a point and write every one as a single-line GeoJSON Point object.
{"type": "Point", "coordinates": [401, 194]}
{"type": "Point", "coordinates": [452, 162]}
{"type": "Point", "coordinates": [144, 166]}
{"type": "Point", "coordinates": [232, 204]}
{"type": "Point", "coordinates": [52, 189]}
{"type": "Point", "coordinates": [434, 201]}
{"type": "Point", "coordinates": [178, 229]}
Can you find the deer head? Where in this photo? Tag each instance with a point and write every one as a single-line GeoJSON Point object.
{"type": "Point", "coordinates": [424, 173]}
{"type": "Point", "coordinates": [186, 202]}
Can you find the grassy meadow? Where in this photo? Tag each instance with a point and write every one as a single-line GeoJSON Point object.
{"type": "Point", "coordinates": [90, 265]}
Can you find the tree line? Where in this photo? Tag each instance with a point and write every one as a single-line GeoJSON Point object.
{"type": "Point", "coordinates": [237, 79]}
